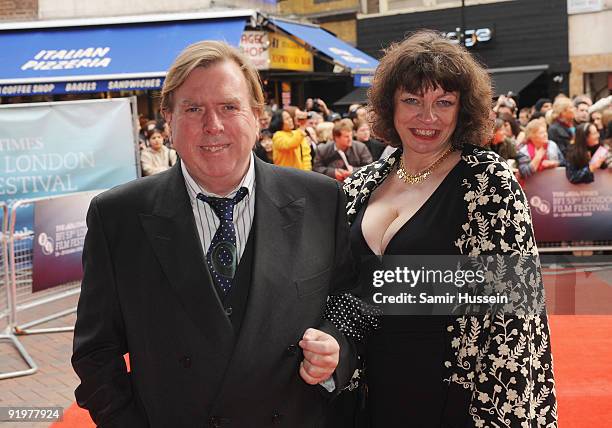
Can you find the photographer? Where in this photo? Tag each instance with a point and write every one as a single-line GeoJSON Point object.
{"type": "Point", "coordinates": [505, 104]}
{"type": "Point", "coordinates": [318, 106]}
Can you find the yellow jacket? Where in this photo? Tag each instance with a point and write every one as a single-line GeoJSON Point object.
{"type": "Point", "coordinates": [290, 148]}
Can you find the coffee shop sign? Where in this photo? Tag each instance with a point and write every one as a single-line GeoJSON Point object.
{"type": "Point", "coordinates": [471, 37]}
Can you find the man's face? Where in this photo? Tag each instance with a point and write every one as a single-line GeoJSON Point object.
{"type": "Point", "coordinates": [214, 126]}
{"type": "Point", "coordinates": [582, 113]}
{"type": "Point", "coordinates": [524, 117]}
{"type": "Point", "coordinates": [363, 132]}
{"type": "Point", "coordinates": [344, 140]}
{"type": "Point", "coordinates": [264, 120]}
{"type": "Point", "coordinates": [545, 107]}
{"type": "Point", "coordinates": [362, 114]}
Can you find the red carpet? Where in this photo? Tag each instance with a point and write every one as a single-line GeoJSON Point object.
{"type": "Point", "coordinates": [582, 352]}
{"type": "Point", "coordinates": [75, 417]}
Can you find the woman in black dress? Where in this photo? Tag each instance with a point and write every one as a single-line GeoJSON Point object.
{"type": "Point", "coordinates": [440, 193]}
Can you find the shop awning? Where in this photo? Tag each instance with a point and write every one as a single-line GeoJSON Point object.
{"type": "Point", "coordinates": [339, 51]}
{"type": "Point", "coordinates": [515, 81]}
{"type": "Point", "coordinates": [356, 96]}
{"type": "Point", "coordinates": [96, 58]}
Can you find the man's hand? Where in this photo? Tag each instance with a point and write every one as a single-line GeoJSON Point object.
{"type": "Point", "coordinates": [321, 356]}
{"type": "Point", "coordinates": [341, 174]}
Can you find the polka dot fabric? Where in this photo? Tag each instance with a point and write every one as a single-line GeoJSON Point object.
{"type": "Point", "coordinates": [352, 316]}
{"type": "Point", "coordinates": [221, 256]}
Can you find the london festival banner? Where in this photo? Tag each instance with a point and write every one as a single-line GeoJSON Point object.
{"type": "Point", "coordinates": [563, 211]}
{"type": "Point", "coordinates": [64, 147]}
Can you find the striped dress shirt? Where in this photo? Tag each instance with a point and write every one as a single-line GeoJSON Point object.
{"type": "Point", "coordinates": [207, 221]}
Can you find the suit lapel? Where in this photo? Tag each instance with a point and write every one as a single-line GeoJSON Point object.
{"type": "Point", "coordinates": [172, 232]}
{"type": "Point", "coordinates": [277, 225]}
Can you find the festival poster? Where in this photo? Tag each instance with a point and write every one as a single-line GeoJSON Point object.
{"type": "Point", "coordinates": [562, 211]}
{"type": "Point", "coordinates": [59, 233]}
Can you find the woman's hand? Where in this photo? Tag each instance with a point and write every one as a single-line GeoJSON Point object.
{"type": "Point", "coordinates": [546, 164]}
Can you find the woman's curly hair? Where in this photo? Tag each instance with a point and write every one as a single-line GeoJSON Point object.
{"type": "Point", "coordinates": [423, 61]}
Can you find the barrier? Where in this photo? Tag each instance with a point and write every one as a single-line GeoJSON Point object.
{"type": "Point", "coordinates": [7, 303]}
{"type": "Point", "coordinates": [22, 251]}
{"type": "Point", "coordinates": [570, 217]}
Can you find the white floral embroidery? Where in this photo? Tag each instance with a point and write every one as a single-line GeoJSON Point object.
{"type": "Point", "coordinates": [503, 358]}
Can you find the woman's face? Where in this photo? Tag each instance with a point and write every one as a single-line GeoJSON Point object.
{"type": "Point", "coordinates": [363, 132]}
{"type": "Point", "coordinates": [539, 136]}
{"type": "Point", "coordinates": [596, 118]}
{"type": "Point", "coordinates": [287, 122]}
{"type": "Point", "coordinates": [426, 121]}
{"type": "Point", "coordinates": [266, 143]}
{"type": "Point", "coordinates": [156, 141]}
{"type": "Point", "coordinates": [592, 136]}
{"type": "Point", "coordinates": [507, 129]}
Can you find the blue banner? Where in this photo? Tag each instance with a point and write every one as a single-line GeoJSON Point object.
{"type": "Point", "coordinates": [106, 52]}
{"type": "Point", "coordinates": [66, 147]}
{"type": "Point", "coordinates": [356, 61]}
{"type": "Point", "coordinates": [81, 87]}
{"type": "Point", "coordinates": [362, 80]}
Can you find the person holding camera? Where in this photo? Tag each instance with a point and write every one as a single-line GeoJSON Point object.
{"type": "Point", "coordinates": [289, 144]}
{"type": "Point", "coordinates": [318, 106]}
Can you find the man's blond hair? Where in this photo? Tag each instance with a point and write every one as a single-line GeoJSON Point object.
{"type": "Point", "coordinates": [559, 106]}
{"type": "Point", "coordinates": [342, 125]}
{"type": "Point", "coordinates": [204, 54]}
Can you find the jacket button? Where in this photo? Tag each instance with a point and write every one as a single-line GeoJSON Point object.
{"type": "Point", "coordinates": [276, 418]}
{"type": "Point", "coordinates": [185, 361]}
{"type": "Point", "coordinates": [228, 311]}
{"type": "Point", "coordinates": [292, 350]}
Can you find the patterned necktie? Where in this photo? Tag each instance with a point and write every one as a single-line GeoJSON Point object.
{"type": "Point", "coordinates": [222, 255]}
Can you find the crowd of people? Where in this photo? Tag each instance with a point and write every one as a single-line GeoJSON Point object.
{"type": "Point", "coordinates": [572, 133]}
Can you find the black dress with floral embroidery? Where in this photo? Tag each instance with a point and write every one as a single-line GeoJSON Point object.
{"type": "Point", "coordinates": [398, 393]}
{"type": "Point", "coordinates": [491, 370]}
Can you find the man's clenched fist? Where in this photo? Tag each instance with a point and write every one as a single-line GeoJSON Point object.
{"type": "Point", "coordinates": [321, 355]}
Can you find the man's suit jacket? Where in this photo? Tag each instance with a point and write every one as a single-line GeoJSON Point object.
{"type": "Point", "coordinates": [328, 158]}
{"type": "Point", "coordinates": [146, 291]}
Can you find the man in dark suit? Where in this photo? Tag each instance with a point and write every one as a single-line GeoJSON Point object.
{"type": "Point", "coordinates": [207, 276]}
{"type": "Point", "coordinates": [342, 156]}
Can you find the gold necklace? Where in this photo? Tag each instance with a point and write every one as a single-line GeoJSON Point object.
{"type": "Point", "coordinates": [421, 176]}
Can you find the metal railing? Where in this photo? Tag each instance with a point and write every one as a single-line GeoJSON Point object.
{"type": "Point", "coordinates": [7, 305]}
{"type": "Point", "coordinates": [572, 246]}
{"type": "Point", "coordinates": [21, 264]}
